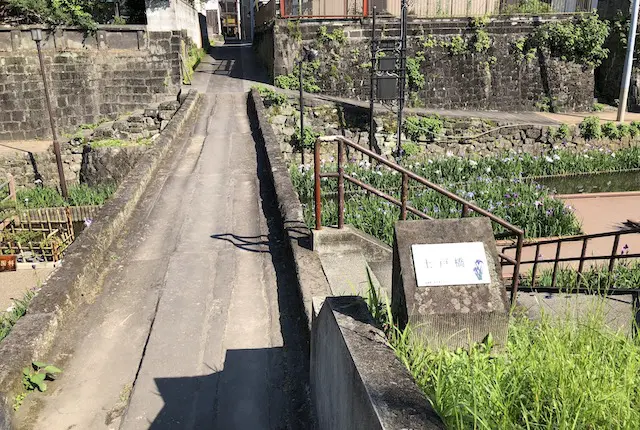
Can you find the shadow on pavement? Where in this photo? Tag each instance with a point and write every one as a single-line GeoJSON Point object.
{"type": "Point", "coordinates": [237, 60]}
{"type": "Point", "coordinates": [241, 394]}
{"type": "Point", "coordinates": [246, 243]}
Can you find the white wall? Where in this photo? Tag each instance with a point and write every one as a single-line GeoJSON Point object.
{"type": "Point", "coordinates": [168, 15]}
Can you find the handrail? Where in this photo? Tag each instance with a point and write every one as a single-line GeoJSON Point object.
{"type": "Point", "coordinates": [611, 257]}
{"type": "Point", "coordinates": [402, 203]}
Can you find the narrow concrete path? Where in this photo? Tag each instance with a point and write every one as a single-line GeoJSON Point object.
{"type": "Point", "coordinates": [198, 325]}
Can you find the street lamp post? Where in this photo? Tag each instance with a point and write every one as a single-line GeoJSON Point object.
{"type": "Point", "coordinates": [307, 55]}
{"type": "Point", "coordinates": [36, 35]}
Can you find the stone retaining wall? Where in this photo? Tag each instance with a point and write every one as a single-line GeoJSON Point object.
{"type": "Point", "coordinates": [493, 79]}
{"type": "Point", "coordinates": [84, 159]}
{"type": "Point", "coordinates": [91, 76]}
{"type": "Point", "coordinates": [460, 136]}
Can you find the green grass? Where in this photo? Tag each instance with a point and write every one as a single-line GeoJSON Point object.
{"type": "Point", "coordinates": [497, 184]}
{"type": "Point", "coordinates": [119, 143]}
{"type": "Point", "coordinates": [553, 374]}
{"type": "Point", "coordinates": [625, 275]}
{"type": "Point", "coordinates": [79, 195]}
{"type": "Point", "coordinates": [9, 318]}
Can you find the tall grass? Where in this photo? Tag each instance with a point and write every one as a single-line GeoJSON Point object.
{"type": "Point", "coordinates": [79, 195]}
{"type": "Point", "coordinates": [554, 374]}
{"type": "Point", "coordinates": [522, 203]}
{"type": "Point", "coordinates": [9, 318]}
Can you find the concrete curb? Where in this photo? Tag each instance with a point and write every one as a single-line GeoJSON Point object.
{"type": "Point", "coordinates": [311, 279]}
{"type": "Point", "coordinates": [78, 281]}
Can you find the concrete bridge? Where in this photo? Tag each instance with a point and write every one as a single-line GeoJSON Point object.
{"type": "Point", "coordinates": [198, 324]}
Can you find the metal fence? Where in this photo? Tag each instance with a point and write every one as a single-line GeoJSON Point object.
{"type": "Point", "coordinates": [423, 8]}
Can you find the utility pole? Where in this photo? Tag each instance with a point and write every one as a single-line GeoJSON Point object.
{"type": "Point", "coordinates": [36, 35]}
{"type": "Point", "coordinates": [628, 62]}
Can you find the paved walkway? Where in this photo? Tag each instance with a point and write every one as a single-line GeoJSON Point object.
{"type": "Point", "coordinates": [198, 310]}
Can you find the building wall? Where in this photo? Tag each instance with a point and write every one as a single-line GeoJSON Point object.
{"type": "Point", "coordinates": [91, 77]}
{"type": "Point", "coordinates": [497, 79]}
{"type": "Point", "coordinates": [170, 15]}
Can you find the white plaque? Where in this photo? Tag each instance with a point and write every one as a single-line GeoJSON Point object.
{"type": "Point", "coordinates": [450, 264]}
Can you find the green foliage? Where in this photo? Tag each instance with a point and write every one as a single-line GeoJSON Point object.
{"type": "Point", "coordinates": [545, 104]}
{"type": "Point", "coordinates": [598, 107]}
{"type": "Point", "coordinates": [555, 373]}
{"type": "Point", "coordinates": [293, 30]}
{"type": "Point", "coordinates": [17, 310]}
{"type": "Point", "coordinates": [562, 132]}
{"type": "Point", "coordinates": [497, 184]}
{"type": "Point", "coordinates": [625, 275]}
{"type": "Point", "coordinates": [481, 41]}
{"type": "Point", "coordinates": [34, 377]}
{"type": "Point", "coordinates": [271, 97]}
{"type": "Point", "coordinates": [428, 42]}
{"type": "Point", "coordinates": [410, 149]}
{"type": "Point", "coordinates": [590, 128]}
{"type": "Point", "coordinates": [337, 35]}
{"type": "Point", "coordinates": [528, 7]}
{"type": "Point", "coordinates": [634, 128]}
{"type": "Point", "coordinates": [307, 142]}
{"type": "Point", "coordinates": [53, 12]}
{"type": "Point", "coordinates": [610, 130]}
{"type": "Point", "coordinates": [457, 45]}
{"type": "Point", "coordinates": [195, 55]}
{"type": "Point", "coordinates": [415, 78]}
{"type": "Point", "coordinates": [580, 40]}
{"type": "Point", "coordinates": [291, 80]}
{"type": "Point", "coordinates": [79, 195]}
{"type": "Point", "coordinates": [427, 126]}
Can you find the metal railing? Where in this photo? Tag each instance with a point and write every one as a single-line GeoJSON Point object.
{"type": "Point", "coordinates": [581, 259]}
{"type": "Point", "coordinates": [465, 206]}
{"type": "Point", "coordinates": [300, 9]}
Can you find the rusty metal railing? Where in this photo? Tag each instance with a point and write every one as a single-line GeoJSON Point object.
{"type": "Point", "coordinates": [466, 206]}
{"type": "Point", "coordinates": [324, 9]}
{"type": "Point", "coordinates": [583, 258]}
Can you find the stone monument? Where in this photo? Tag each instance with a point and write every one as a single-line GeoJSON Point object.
{"type": "Point", "coordinates": [447, 282]}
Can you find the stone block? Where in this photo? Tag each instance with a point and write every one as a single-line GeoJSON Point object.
{"type": "Point", "coordinates": [172, 105]}
{"type": "Point", "coordinates": [122, 125]}
{"type": "Point", "coordinates": [450, 316]}
{"type": "Point", "coordinates": [151, 112]}
{"type": "Point", "coordinates": [165, 114]}
{"type": "Point", "coordinates": [136, 118]}
{"type": "Point", "coordinates": [104, 131]}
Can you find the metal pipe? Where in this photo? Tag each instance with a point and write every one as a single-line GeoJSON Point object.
{"type": "Point", "coordinates": [54, 134]}
{"type": "Point", "coordinates": [628, 62]}
{"type": "Point", "coordinates": [535, 267]}
{"type": "Point", "coordinates": [401, 79]}
{"type": "Point", "coordinates": [371, 80]}
{"type": "Point", "coordinates": [516, 270]}
{"type": "Point", "coordinates": [403, 197]}
{"type": "Point", "coordinates": [301, 103]}
{"type": "Point", "coordinates": [316, 185]}
{"type": "Point", "coordinates": [614, 250]}
{"type": "Point", "coordinates": [340, 184]}
{"type": "Point", "coordinates": [555, 265]}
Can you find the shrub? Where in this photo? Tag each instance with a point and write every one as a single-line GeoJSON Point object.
{"type": "Point", "coordinates": [307, 142]}
{"type": "Point", "coordinates": [634, 128]}
{"type": "Point", "coordinates": [528, 7]}
{"type": "Point", "coordinates": [54, 13]}
{"type": "Point", "coordinates": [562, 132]}
{"type": "Point", "coordinates": [624, 130]}
{"type": "Point", "coordinates": [590, 128]}
{"type": "Point", "coordinates": [271, 97]}
{"type": "Point", "coordinates": [410, 149]}
{"type": "Point", "coordinates": [415, 78]}
{"type": "Point", "coordinates": [610, 130]}
{"type": "Point", "coordinates": [427, 126]}
{"type": "Point", "coordinates": [291, 81]}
